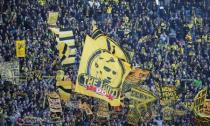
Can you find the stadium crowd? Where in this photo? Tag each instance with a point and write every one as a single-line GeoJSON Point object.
{"type": "Point", "coordinates": [172, 40]}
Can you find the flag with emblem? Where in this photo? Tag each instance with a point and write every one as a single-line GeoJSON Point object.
{"type": "Point", "coordinates": [105, 42]}
{"type": "Point", "coordinates": [101, 73]}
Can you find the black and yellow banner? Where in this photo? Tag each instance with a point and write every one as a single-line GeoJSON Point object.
{"type": "Point", "coordinates": [101, 73]}
{"type": "Point", "coordinates": [66, 35]}
{"type": "Point", "coordinates": [141, 95]}
{"type": "Point", "coordinates": [20, 48]}
{"type": "Point", "coordinates": [66, 54]}
{"type": "Point", "coordinates": [167, 94]}
{"type": "Point", "coordinates": [54, 102]}
{"type": "Point", "coordinates": [140, 101]}
{"type": "Point", "coordinates": [65, 89]}
{"type": "Point", "coordinates": [66, 46]}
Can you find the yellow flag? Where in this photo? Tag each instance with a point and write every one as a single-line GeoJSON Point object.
{"type": "Point", "coordinates": [101, 73]}
{"type": "Point", "coordinates": [105, 42]}
{"type": "Point", "coordinates": [20, 48]}
{"type": "Point", "coordinates": [64, 88]}
{"type": "Point", "coordinates": [109, 10]}
{"type": "Point", "coordinates": [52, 18]}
